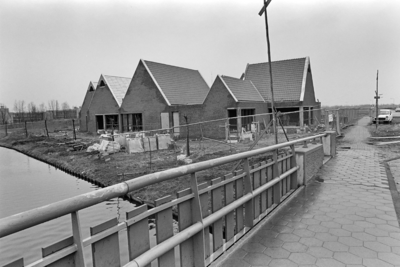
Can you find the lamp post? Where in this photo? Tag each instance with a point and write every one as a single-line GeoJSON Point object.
{"type": "Point", "coordinates": [376, 99]}
{"type": "Point", "coordinates": [264, 11]}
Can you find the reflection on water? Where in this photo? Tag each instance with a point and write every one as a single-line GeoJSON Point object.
{"type": "Point", "coordinates": [26, 183]}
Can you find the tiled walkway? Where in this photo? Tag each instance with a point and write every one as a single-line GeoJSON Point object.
{"type": "Point", "coordinates": [346, 220]}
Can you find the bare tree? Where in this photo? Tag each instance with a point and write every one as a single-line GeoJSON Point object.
{"type": "Point", "coordinates": [52, 107]}
{"type": "Point", "coordinates": [42, 107]}
{"type": "Point", "coordinates": [65, 106]}
{"type": "Point", "coordinates": [19, 106]}
{"type": "Point", "coordinates": [19, 109]}
{"type": "Point", "coordinates": [32, 110]}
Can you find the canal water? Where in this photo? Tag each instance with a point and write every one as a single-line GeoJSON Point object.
{"type": "Point", "coordinates": [26, 183]}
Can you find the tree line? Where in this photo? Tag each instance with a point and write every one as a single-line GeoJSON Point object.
{"type": "Point", "coordinates": [31, 112]}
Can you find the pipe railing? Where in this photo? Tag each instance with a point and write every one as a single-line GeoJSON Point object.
{"type": "Point", "coordinates": [52, 211]}
{"type": "Point", "coordinates": [250, 198]}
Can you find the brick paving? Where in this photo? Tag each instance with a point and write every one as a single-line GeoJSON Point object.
{"type": "Point", "coordinates": [346, 220]}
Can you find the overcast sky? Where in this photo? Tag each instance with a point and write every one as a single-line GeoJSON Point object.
{"type": "Point", "coordinates": [51, 49]}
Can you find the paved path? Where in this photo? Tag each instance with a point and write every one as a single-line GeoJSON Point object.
{"type": "Point", "coordinates": [347, 220]}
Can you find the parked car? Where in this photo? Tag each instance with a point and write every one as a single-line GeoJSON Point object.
{"type": "Point", "coordinates": [396, 116]}
{"type": "Point", "coordinates": [385, 116]}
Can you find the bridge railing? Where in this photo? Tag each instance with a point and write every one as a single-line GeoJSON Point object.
{"type": "Point", "coordinates": [211, 216]}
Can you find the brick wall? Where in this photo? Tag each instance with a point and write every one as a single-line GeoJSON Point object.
{"type": "Point", "coordinates": [84, 109]}
{"type": "Point", "coordinates": [313, 161]}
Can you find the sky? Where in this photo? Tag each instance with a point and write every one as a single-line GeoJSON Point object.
{"type": "Point", "coordinates": [52, 49]}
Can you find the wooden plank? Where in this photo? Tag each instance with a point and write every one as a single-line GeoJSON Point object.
{"type": "Point", "coordinates": [199, 248]}
{"type": "Point", "coordinates": [275, 174]}
{"type": "Point", "coordinates": [230, 217]}
{"type": "Point", "coordinates": [105, 252]}
{"type": "Point", "coordinates": [256, 184]}
{"type": "Point", "coordinates": [216, 204]}
{"type": "Point", "coordinates": [288, 179]}
{"type": "Point", "coordinates": [66, 261]}
{"type": "Point", "coordinates": [164, 230]}
{"type": "Point", "coordinates": [16, 263]}
{"type": "Point", "coordinates": [204, 202]}
{"type": "Point", "coordinates": [138, 233]}
{"type": "Point", "coordinates": [284, 183]}
{"type": "Point", "coordinates": [263, 180]}
{"type": "Point", "coordinates": [185, 219]}
{"type": "Point", "coordinates": [249, 205]}
{"type": "Point", "coordinates": [293, 163]}
{"type": "Point", "coordinates": [239, 210]}
{"type": "Point", "coordinates": [270, 190]}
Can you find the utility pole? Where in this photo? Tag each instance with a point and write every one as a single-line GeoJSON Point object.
{"type": "Point", "coordinates": [264, 10]}
{"type": "Point", "coordinates": [376, 99]}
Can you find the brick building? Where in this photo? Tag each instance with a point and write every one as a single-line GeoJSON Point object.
{"type": "Point", "coordinates": [104, 109]}
{"type": "Point", "coordinates": [83, 115]}
{"type": "Point", "coordinates": [160, 95]}
{"type": "Point", "coordinates": [293, 88]}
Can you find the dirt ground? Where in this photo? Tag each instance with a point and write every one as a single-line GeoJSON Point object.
{"type": "Point", "coordinates": [57, 150]}
{"type": "Point", "coordinates": [385, 130]}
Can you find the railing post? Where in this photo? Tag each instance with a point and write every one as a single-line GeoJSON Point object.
{"type": "Point", "coordinates": [249, 210]}
{"type": "Point", "coordinates": [197, 216]}
{"type": "Point", "coordinates": [329, 143]}
{"type": "Point", "coordinates": [293, 163]}
{"type": "Point", "coordinates": [338, 122]}
{"type": "Point", "coordinates": [304, 144]}
{"type": "Point", "coordinates": [275, 174]}
{"type": "Point", "coordinates": [77, 235]}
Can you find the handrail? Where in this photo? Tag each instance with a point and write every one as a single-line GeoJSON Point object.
{"type": "Point", "coordinates": [21, 221]}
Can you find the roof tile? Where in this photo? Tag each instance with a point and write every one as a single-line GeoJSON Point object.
{"type": "Point", "coordinates": [287, 78]}
{"type": "Point", "coordinates": [243, 90]}
{"type": "Point", "coordinates": [180, 86]}
{"type": "Point", "coordinates": [118, 86]}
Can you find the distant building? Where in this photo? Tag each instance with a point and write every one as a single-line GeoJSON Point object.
{"type": "Point", "coordinates": [5, 116]}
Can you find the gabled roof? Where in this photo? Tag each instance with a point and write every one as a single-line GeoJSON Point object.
{"type": "Point", "coordinates": [117, 85]}
{"type": "Point", "coordinates": [87, 101]}
{"type": "Point", "coordinates": [179, 86]}
{"type": "Point", "coordinates": [92, 85]}
{"type": "Point", "coordinates": [289, 78]}
{"type": "Point", "coordinates": [241, 90]}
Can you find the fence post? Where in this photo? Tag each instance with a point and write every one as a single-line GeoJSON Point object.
{"type": "Point", "coordinates": [77, 235]}
{"type": "Point", "coordinates": [249, 210]}
{"type": "Point", "coordinates": [187, 136]}
{"type": "Point", "coordinates": [73, 127]}
{"type": "Point", "coordinates": [26, 130]}
{"type": "Point", "coordinates": [45, 126]}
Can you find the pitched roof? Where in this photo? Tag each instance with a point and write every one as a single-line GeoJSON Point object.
{"type": "Point", "coordinates": [118, 86]}
{"type": "Point", "coordinates": [241, 90]}
{"type": "Point", "coordinates": [179, 86]}
{"type": "Point", "coordinates": [89, 95]}
{"type": "Point", "coordinates": [94, 85]}
{"type": "Point", "coordinates": [289, 77]}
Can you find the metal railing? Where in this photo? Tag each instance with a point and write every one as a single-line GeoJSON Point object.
{"type": "Point", "coordinates": [229, 206]}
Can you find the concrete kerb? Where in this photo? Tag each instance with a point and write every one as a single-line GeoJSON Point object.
{"type": "Point", "coordinates": [254, 230]}
{"type": "Point", "coordinates": [392, 187]}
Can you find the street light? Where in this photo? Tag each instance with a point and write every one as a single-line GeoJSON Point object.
{"type": "Point", "coordinates": [264, 11]}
